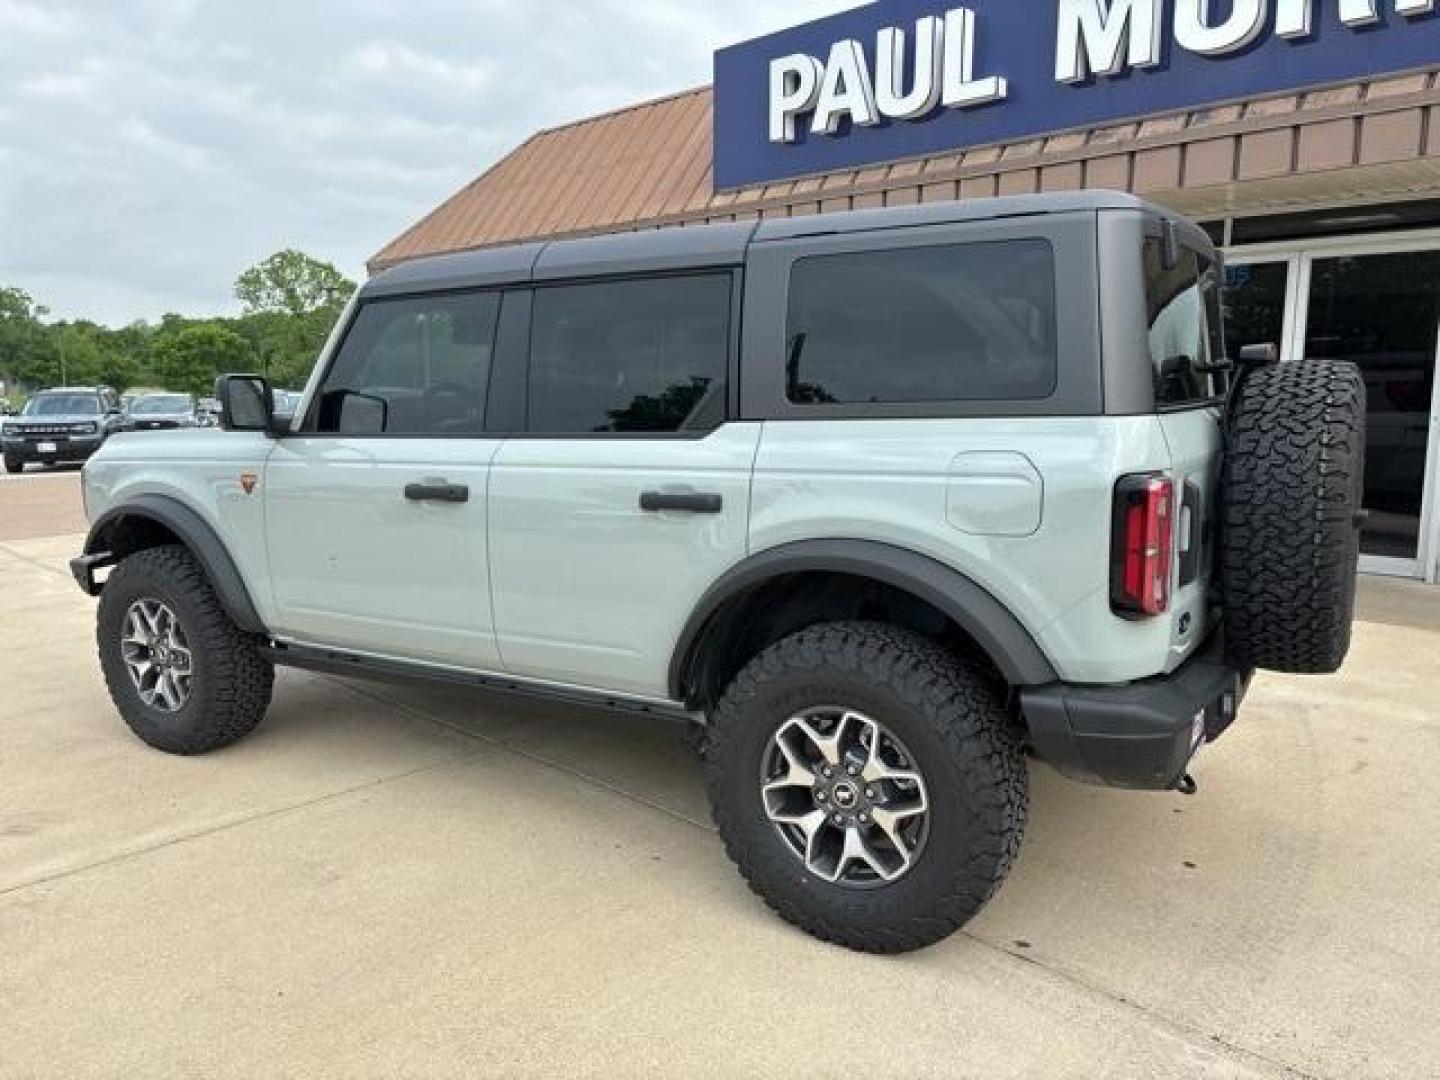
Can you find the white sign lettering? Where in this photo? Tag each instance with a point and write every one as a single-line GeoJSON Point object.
{"type": "Point", "coordinates": [932, 65]}
{"type": "Point", "coordinates": [942, 74]}
{"type": "Point", "coordinates": [1094, 39]}
{"type": "Point", "coordinates": [1193, 30]}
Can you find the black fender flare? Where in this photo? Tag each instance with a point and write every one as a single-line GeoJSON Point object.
{"type": "Point", "coordinates": [970, 606]}
{"type": "Point", "coordinates": [196, 534]}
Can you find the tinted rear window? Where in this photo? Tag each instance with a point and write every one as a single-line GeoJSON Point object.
{"type": "Point", "coordinates": [645, 355]}
{"type": "Point", "coordinates": [1185, 325]}
{"type": "Point", "coordinates": [964, 322]}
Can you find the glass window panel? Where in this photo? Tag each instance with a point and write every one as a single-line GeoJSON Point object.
{"type": "Point", "coordinates": [1382, 312]}
{"type": "Point", "coordinates": [646, 355]}
{"type": "Point", "coordinates": [1254, 305]}
{"type": "Point", "coordinates": [416, 367]}
{"type": "Point", "coordinates": [964, 322]}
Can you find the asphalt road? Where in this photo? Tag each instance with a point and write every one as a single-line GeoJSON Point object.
{"type": "Point", "coordinates": [402, 881]}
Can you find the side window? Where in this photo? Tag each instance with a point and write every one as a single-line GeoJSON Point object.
{"type": "Point", "coordinates": [963, 322]}
{"type": "Point", "coordinates": [644, 355]}
{"type": "Point", "coordinates": [417, 366]}
{"type": "Point", "coordinates": [1183, 304]}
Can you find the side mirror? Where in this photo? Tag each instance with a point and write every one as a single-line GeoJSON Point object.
{"type": "Point", "coordinates": [1259, 355]}
{"type": "Point", "coordinates": [247, 403]}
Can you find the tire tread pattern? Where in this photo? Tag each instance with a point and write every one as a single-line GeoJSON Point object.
{"type": "Point", "coordinates": [1292, 483]}
{"type": "Point", "coordinates": [237, 678]}
{"type": "Point", "coordinates": [985, 759]}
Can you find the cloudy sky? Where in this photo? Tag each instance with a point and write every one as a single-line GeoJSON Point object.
{"type": "Point", "coordinates": [150, 150]}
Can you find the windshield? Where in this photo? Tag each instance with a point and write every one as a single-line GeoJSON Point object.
{"type": "Point", "coordinates": [63, 405]}
{"type": "Point", "coordinates": [161, 403]}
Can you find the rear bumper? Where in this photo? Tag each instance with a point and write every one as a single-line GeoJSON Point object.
{"type": "Point", "coordinates": [1140, 735]}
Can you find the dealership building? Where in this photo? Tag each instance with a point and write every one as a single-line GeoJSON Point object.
{"type": "Point", "coordinates": [1304, 135]}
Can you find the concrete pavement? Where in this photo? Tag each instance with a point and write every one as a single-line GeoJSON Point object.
{"type": "Point", "coordinates": [40, 503]}
{"type": "Point", "coordinates": [409, 881]}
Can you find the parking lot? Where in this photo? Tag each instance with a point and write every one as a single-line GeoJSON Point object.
{"type": "Point", "coordinates": [400, 881]}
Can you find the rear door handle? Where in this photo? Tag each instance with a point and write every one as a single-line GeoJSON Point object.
{"type": "Point", "coordinates": [690, 502]}
{"type": "Point", "coordinates": [437, 492]}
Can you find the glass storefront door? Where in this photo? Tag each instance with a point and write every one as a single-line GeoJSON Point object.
{"type": "Point", "coordinates": [1376, 305]}
{"type": "Point", "coordinates": [1256, 298]}
{"type": "Point", "coordinates": [1382, 312]}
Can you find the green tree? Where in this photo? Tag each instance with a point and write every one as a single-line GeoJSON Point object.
{"type": "Point", "coordinates": [191, 358]}
{"type": "Point", "coordinates": [290, 301]}
{"type": "Point", "coordinates": [292, 283]}
{"type": "Point", "coordinates": [22, 338]}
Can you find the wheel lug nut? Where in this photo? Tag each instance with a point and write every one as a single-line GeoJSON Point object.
{"type": "Point", "coordinates": [864, 817]}
{"type": "Point", "coordinates": [869, 793]}
{"type": "Point", "coordinates": [827, 772]}
{"type": "Point", "coordinates": [821, 796]}
{"type": "Point", "coordinates": [838, 819]}
{"type": "Point", "coordinates": [853, 770]}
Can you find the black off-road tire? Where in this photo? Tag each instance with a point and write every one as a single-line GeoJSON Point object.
{"type": "Point", "coordinates": [14, 465]}
{"type": "Point", "coordinates": [232, 682]}
{"type": "Point", "coordinates": [1291, 491]}
{"type": "Point", "coordinates": [953, 720]}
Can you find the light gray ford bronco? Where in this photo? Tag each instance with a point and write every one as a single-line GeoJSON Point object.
{"type": "Point", "coordinates": [888, 501]}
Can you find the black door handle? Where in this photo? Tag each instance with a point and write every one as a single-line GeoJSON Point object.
{"type": "Point", "coordinates": [428, 492]}
{"type": "Point", "coordinates": [691, 502]}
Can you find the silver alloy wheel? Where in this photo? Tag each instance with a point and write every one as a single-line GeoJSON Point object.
{"type": "Point", "coordinates": [157, 655]}
{"type": "Point", "coordinates": [846, 796]}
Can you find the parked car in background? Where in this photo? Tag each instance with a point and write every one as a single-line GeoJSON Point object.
{"type": "Point", "coordinates": [207, 412]}
{"type": "Point", "coordinates": [286, 404]}
{"type": "Point", "coordinates": [134, 394]}
{"type": "Point", "coordinates": [61, 425]}
{"type": "Point", "coordinates": [160, 412]}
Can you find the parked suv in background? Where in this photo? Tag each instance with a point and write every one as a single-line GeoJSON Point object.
{"type": "Point", "coordinates": [161, 412]}
{"type": "Point", "coordinates": [66, 424]}
{"type": "Point", "coordinates": [885, 500]}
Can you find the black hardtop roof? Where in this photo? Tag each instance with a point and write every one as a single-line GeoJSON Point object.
{"type": "Point", "coordinates": [700, 246]}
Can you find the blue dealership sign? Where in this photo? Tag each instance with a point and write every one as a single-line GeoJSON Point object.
{"type": "Point", "coordinates": [908, 78]}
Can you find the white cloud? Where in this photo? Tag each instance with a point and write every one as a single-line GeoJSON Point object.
{"type": "Point", "coordinates": [155, 148]}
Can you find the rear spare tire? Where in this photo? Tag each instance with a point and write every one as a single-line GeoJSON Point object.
{"type": "Point", "coordinates": [1291, 489]}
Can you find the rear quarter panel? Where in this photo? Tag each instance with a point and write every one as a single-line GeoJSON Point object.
{"type": "Point", "coordinates": [897, 482]}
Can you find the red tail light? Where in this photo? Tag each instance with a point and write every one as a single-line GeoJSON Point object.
{"type": "Point", "coordinates": [1142, 546]}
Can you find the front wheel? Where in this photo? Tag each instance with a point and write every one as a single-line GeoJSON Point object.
{"type": "Point", "coordinates": [868, 784]}
{"type": "Point", "coordinates": [185, 678]}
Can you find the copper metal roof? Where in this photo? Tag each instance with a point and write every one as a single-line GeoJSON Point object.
{"type": "Point", "coordinates": [650, 165]}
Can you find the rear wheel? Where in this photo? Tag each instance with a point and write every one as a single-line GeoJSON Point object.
{"type": "Point", "coordinates": [1291, 491]}
{"type": "Point", "coordinates": [869, 786]}
{"type": "Point", "coordinates": [14, 465]}
{"type": "Point", "coordinates": [185, 678]}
